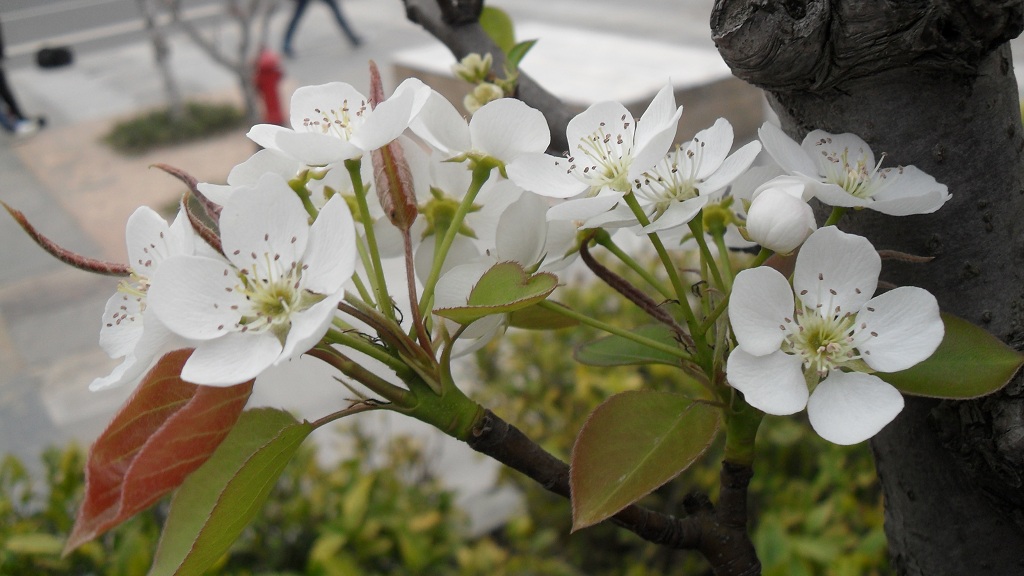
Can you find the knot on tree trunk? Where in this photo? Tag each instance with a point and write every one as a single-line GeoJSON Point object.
{"type": "Point", "coordinates": [815, 45]}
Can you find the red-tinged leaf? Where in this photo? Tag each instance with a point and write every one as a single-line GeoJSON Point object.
{"type": "Point", "coordinates": [391, 174]}
{"type": "Point", "coordinates": [165, 431]}
{"type": "Point", "coordinates": [633, 443]}
{"type": "Point", "coordinates": [216, 503]}
{"type": "Point", "coordinates": [63, 254]}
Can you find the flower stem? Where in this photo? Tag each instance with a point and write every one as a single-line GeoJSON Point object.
{"type": "Point", "coordinates": [481, 172]}
{"type": "Point", "coordinates": [622, 333]}
{"type": "Point", "coordinates": [605, 239]}
{"type": "Point", "coordinates": [697, 228]}
{"type": "Point", "coordinates": [380, 285]}
{"type": "Point", "coordinates": [360, 344]}
{"type": "Point", "coordinates": [741, 423]}
{"type": "Point", "coordinates": [835, 216]}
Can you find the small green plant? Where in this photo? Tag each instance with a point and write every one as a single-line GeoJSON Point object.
{"type": "Point", "coordinates": [158, 128]}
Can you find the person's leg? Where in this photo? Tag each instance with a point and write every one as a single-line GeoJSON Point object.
{"type": "Point", "coordinates": [300, 8]}
{"type": "Point", "coordinates": [8, 97]}
{"type": "Point", "coordinates": [353, 39]}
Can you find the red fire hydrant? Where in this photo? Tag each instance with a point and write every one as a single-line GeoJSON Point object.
{"type": "Point", "coordinates": [267, 79]}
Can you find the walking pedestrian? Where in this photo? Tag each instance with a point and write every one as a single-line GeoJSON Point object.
{"type": "Point", "coordinates": [300, 9]}
{"type": "Point", "coordinates": [11, 117]}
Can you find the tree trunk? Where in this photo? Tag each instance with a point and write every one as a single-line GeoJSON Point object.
{"type": "Point", "coordinates": [929, 83]}
{"type": "Point", "coordinates": [161, 54]}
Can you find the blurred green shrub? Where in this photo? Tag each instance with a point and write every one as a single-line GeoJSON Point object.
{"type": "Point", "coordinates": [157, 128]}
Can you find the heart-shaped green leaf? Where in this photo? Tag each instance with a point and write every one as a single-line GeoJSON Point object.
{"type": "Point", "coordinates": [970, 362]}
{"type": "Point", "coordinates": [505, 287]}
{"type": "Point", "coordinates": [633, 443]}
{"type": "Point", "coordinates": [215, 503]}
{"type": "Point", "coordinates": [619, 351]}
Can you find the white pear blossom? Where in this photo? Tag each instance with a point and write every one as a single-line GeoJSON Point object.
{"type": "Point", "coordinates": [334, 122]}
{"type": "Point", "coordinates": [675, 190]}
{"type": "Point", "coordinates": [274, 295]}
{"type": "Point", "coordinates": [779, 220]}
{"type": "Point", "coordinates": [502, 129]}
{"type": "Point", "coordinates": [840, 170]}
{"type": "Point", "coordinates": [608, 151]}
{"type": "Point", "coordinates": [828, 336]}
{"type": "Point", "coordinates": [130, 330]}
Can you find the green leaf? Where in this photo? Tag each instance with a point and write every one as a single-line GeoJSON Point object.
{"type": "Point", "coordinates": [619, 351]}
{"type": "Point", "coordinates": [34, 544]}
{"type": "Point", "coordinates": [518, 52]}
{"type": "Point", "coordinates": [539, 318]}
{"type": "Point", "coordinates": [970, 362]}
{"type": "Point", "coordinates": [215, 503]}
{"type": "Point", "coordinates": [633, 443]}
{"type": "Point", "coordinates": [498, 25]}
{"type": "Point", "coordinates": [505, 287]}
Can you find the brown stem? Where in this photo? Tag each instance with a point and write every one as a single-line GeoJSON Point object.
{"type": "Point", "coordinates": [719, 534]}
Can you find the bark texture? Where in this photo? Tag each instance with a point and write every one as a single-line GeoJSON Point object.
{"type": "Point", "coordinates": [929, 83]}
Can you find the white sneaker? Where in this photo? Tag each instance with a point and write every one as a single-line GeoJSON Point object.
{"type": "Point", "coordinates": [26, 127]}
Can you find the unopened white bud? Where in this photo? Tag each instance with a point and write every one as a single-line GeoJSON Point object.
{"type": "Point", "coordinates": [779, 220]}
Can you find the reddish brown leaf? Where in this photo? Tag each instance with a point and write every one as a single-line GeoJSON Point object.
{"type": "Point", "coordinates": [165, 430]}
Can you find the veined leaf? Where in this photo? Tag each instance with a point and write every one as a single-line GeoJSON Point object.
{"type": "Point", "coordinates": [504, 288]}
{"type": "Point", "coordinates": [970, 362]}
{"type": "Point", "coordinates": [619, 351]}
{"type": "Point", "coordinates": [633, 443]}
{"type": "Point", "coordinates": [215, 504]}
{"type": "Point", "coordinates": [165, 430]}
{"type": "Point", "coordinates": [518, 52]}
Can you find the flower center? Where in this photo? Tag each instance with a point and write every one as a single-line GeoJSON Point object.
{"type": "Point", "coordinates": [858, 178]}
{"type": "Point", "coordinates": [273, 294]}
{"type": "Point", "coordinates": [339, 122]}
{"type": "Point", "coordinates": [608, 158]}
{"type": "Point", "coordinates": [672, 182]}
{"type": "Point", "coordinates": [823, 342]}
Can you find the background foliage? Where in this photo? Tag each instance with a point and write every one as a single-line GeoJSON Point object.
{"type": "Point", "coordinates": [816, 506]}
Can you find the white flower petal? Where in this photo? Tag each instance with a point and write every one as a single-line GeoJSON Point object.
{"type": "Point", "coordinates": [774, 384]}
{"type": "Point", "coordinates": [390, 118]}
{"type": "Point", "coordinates": [231, 359]}
{"type": "Point", "coordinates": [442, 126]}
{"type": "Point", "coordinates": [713, 145]}
{"type": "Point", "coordinates": [678, 214]}
{"type": "Point", "coordinates": [607, 117]}
{"type": "Point", "coordinates": [194, 295]}
{"type": "Point", "coordinates": [836, 269]}
{"type": "Point", "coordinates": [309, 326]}
{"type": "Point", "coordinates": [265, 227]}
{"type": "Point", "coordinates": [847, 408]}
{"type": "Point", "coordinates": [315, 107]}
{"type": "Point", "coordinates": [155, 341]}
{"type": "Point", "coordinates": [821, 146]}
{"type": "Point", "coordinates": [544, 174]}
{"type": "Point", "coordinates": [779, 221]}
{"type": "Point", "coordinates": [661, 114]}
{"type": "Point", "coordinates": [907, 190]}
{"type": "Point", "coordinates": [521, 230]}
{"type": "Point", "coordinates": [834, 195]}
{"type": "Point", "coordinates": [731, 168]}
{"type": "Point", "coordinates": [785, 151]}
{"type": "Point", "coordinates": [315, 149]}
{"type": "Point", "coordinates": [585, 208]}
{"type": "Point", "coordinates": [760, 305]}
{"type": "Point", "coordinates": [908, 327]}
{"type": "Point", "coordinates": [507, 128]}
{"type": "Point", "coordinates": [122, 324]}
{"type": "Point", "coordinates": [330, 255]}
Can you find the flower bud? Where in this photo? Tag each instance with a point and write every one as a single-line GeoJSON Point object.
{"type": "Point", "coordinates": [473, 68]}
{"type": "Point", "coordinates": [779, 221]}
{"type": "Point", "coordinates": [482, 94]}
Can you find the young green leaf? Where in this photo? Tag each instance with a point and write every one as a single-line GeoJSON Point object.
{"type": "Point", "coordinates": [165, 430]}
{"type": "Point", "coordinates": [505, 287]}
{"type": "Point", "coordinates": [970, 362]}
{"type": "Point", "coordinates": [215, 504]}
{"type": "Point", "coordinates": [619, 351]}
{"type": "Point", "coordinates": [497, 24]}
{"type": "Point", "coordinates": [633, 443]}
{"type": "Point", "coordinates": [518, 52]}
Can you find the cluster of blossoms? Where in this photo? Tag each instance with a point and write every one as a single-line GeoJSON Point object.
{"type": "Point", "coordinates": [299, 234]}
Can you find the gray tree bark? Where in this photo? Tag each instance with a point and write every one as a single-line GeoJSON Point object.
{"type": "Point", "coordinates": [929, 83]}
